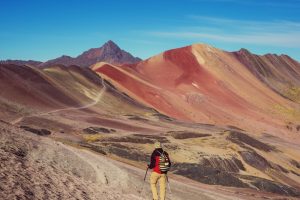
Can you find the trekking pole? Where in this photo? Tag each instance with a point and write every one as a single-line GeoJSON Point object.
{"type": "Point", "coordinates": [144, 180]}
{"type": "Point", "coordinates": [169, 185]}
{"type": "Point", "coordinates": [146, 173]}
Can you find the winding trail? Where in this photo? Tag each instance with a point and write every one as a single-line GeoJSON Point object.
{"type": "Point", "coordinates": [98, 98]}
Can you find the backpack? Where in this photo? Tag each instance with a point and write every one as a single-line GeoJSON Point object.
{"type": "Point", "coordinates": [164, 162]}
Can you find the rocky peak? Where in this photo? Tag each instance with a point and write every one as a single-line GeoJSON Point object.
{"type": "Point", "coordinates": [244, 51]}
{"type": "Point", "coordinates": [109, 52]}
{"type": "Point", "coordinates": [110, 45]}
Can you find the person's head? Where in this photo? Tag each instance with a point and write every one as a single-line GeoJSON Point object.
{"type": "Point", "coordinates": [157, 145]}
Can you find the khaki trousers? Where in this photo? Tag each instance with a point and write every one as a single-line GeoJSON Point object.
{"type": "Point", "coordinates": [161, 178]}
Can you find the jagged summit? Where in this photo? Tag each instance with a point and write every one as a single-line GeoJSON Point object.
{"type": "Point", "coordinates": [111, 45]}
{"type": "Point", "coordinates": [109, 52]}
{"type": "Point", "coordinates": [244, 51]}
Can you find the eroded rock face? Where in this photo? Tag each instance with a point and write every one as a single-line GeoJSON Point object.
{"type": "Point", "coordinates": [130, 154]}
{"type": "Point", "coordinates": [96, 148]}
{"type": "Point", "coordinates": [298, 127]}
{"type": "Point", "coordinates": [255, 160]}
{"type": "Point", "coordinates": [186, 134]}
{"type": "Point", "coordinates": [207, 174]}
{"type": "Point", "coordinates": [95, 130]}
{"type": "Point", "coordinates": [295, 163]}
{"type": "Point", "coordinates": [276, 188]}
{"type": "Point", "coordinates": [218, 171]}
{"type": "Point", "coordinates": [117, 149]}
{"type": "Point", "coordinates": [242, 140]}
{"type": "Point", "coordinates": [161, 139]}
{"type": "Point", "coordinates": [270, 186]}
{"type": "Point", "coordinates": [214, 170]}
{"type": "Point", "coordinates": [129, 139]}
{"type": "Point", "coordinates": [227, 165]}
{"type": "Point", "coordinates": [41, 132]}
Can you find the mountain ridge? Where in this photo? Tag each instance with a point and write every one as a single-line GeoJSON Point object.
{"type": "Point", "coordinates": [201, 83]}
{"type": "Point", "coordinates": [21, 62]}
{"type": "Point", "coordinates": [109, 46]}
{"type": "Point", "coordinates": [109, 52]}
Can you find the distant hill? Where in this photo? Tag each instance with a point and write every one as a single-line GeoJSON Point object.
{"type": "Point", "coordinates": [109, 52]}
{"type": "Point", "coordinates": [21, 62]}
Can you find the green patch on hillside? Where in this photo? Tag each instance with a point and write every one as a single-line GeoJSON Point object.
{"type": "Point", "coordinates": [293, 93]}
{"type": "Point", "coordinates": [287, 112]}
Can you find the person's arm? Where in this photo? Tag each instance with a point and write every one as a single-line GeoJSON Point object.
{"type": "Point", "coordinates": [152, 161]}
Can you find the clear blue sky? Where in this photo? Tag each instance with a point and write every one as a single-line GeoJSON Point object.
{"type": "Point", "coordinates": [46, 29]}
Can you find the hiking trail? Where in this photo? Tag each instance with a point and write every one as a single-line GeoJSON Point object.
{"type": "Point", "coordinates": [99, 96]}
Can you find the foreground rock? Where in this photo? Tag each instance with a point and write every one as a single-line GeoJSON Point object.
{"type": "Point", "coordinates": [31, 168]}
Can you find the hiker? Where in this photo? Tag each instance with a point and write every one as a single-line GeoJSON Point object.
{"type": "Point", "coordinates": [160, 163]}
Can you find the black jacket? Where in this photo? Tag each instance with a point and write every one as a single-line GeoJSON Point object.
{"type": "Point", "coordinates": [155, 157]}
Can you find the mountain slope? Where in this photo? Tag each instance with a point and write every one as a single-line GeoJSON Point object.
{"type": "Point", "coordinates": [203, 84]}
{"type": "Point", "coordinates": [21, 62]}
{"type": "Point", "coordinates": [281, 73]}
{"type": "Point", "coordinates": [26, 90]}
{"type": "Point", "coordinates": [109, 52]}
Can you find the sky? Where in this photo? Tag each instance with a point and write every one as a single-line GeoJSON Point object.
{"type": "Point", "coordinates": [46, 29]}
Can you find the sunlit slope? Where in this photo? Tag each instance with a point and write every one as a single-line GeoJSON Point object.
{"type": "Point", "coordinates": [29, 86]}
{"type": "Point", "coordinates": [26, 90]}
{"type": "Point", "coordinates": [279, 72]}
{"type": "Point", "coordinates": [203, 84]}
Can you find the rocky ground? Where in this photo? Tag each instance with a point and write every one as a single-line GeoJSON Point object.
{"type": "Point", "coordinates": [37, 167]}
{"type": "Point", "coordinates": [34, 167]}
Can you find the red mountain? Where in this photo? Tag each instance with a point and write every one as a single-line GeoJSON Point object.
{"type": "Point", "coordinates": [200, 83]}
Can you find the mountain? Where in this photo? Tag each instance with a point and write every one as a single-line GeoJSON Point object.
{"type": "Point", "coordinates": [109, 52]}
{"type": "Point", "coordinates": [27, 90]}
{"type": "Point", "coordinates": [21, 62]}
{"type": "Point", "coordinates": [223, 117]}
{"type": "Point", "coordinates": [203, 84]}
{"type": "Point", "coordinates": [280, 72]}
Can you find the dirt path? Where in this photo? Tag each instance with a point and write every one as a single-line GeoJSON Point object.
{"type": "Point", "coordinates": [130, 180]}
{"type": "Point", "coordinates": [98, 98]}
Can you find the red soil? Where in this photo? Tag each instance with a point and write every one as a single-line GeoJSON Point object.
{"type": "Point", "coordinates": [150, 95]}
{"type": "Point", "coordinates": [177, 84]}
